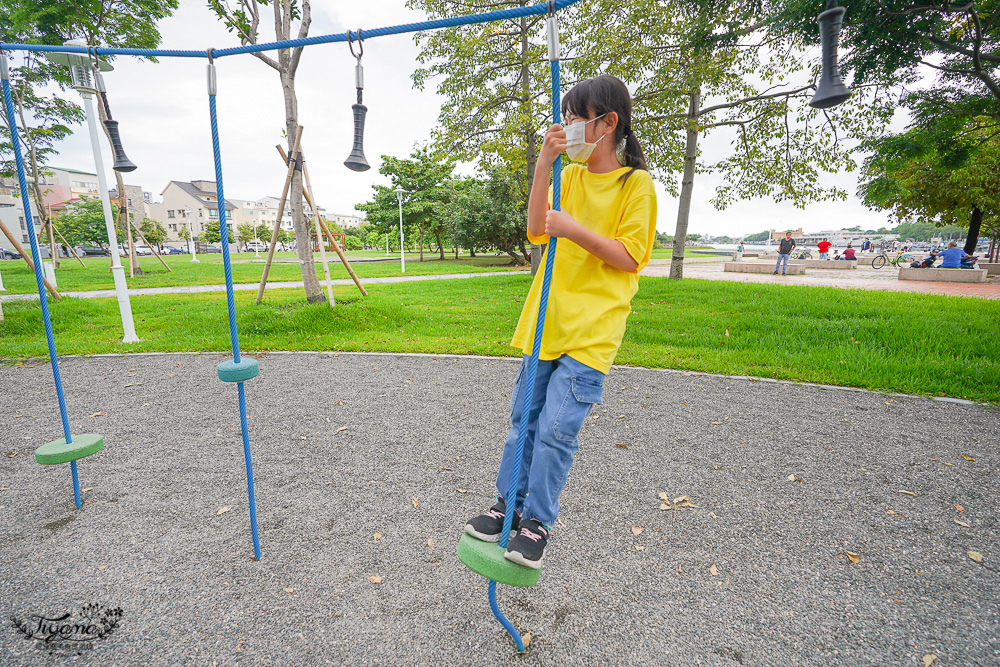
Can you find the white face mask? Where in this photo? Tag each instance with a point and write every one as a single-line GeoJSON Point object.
{"type": "Point", "coordinates": [579, 149]}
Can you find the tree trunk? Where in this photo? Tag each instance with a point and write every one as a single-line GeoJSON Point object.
{"type": "Point", "coordinates": [687, 187]}
{"type": "Point", "coordinates": [437, 234]}
{"type": "Point", "coordinates": [975, 224]}
{"type": "Point", "coordinates": [472, 252]}
{"type": "Point", "coordinates": [421, 242]}
{"type": "Point", "coordinates": [300, 223]}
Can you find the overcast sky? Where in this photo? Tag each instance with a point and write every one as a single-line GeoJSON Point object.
{"type": "Point", "coordinates": [162, 109]}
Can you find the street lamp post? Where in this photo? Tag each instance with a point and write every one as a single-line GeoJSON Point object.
{"type": "Point", "coordinates": [83, 80]}
{"type": "Point", "coordinates": [399, 197]}
{"type": "Point", "coordinates": [191, 247]}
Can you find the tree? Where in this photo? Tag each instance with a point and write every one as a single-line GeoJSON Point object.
{"type": "Point", "coordinates": [213, 234]}
{"type": "Point", "coordinates": [490, 214]}
{"type": "Point", "coordinates": [757, 238]}
{"type": "Point", "coordinates": [153, 230]}
{"type": "Point", "coordinates": [242, 17]}
{"type": "Point", "coordinates": [703, 65]}
{"type": "Point", "coordinates": [83, 224]}
{"type": "Point", "coordinates": [935, 175]}
{"type": "Point", "coordinates": [425, 178]}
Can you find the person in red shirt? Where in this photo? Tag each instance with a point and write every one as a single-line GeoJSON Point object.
{"type": "Point", "coordinates": [848, 253]}
{"type": "Point", "coordinates": [824, 248]}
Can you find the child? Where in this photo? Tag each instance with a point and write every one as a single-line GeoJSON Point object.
{"type": "Point", "coordinates": [606, 227]}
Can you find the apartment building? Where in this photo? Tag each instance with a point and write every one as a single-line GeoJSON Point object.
{"type": "Point", "coordinates": [191, 205]}
{"type": "Point", "coordinates": [12, 214]}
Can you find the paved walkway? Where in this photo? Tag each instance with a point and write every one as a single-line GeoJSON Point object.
{"type": "Point", "coordinates": [863, 277]}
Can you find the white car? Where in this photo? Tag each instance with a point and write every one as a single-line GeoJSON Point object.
{"type": "Point", "coordinates": [141, 250]}
{"type": "Point", "coordinates": [256, 246]}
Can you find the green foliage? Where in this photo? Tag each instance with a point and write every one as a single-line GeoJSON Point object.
{"type": "Point", "coordinates": [925, 231]}
{"type": "Point", "coordinates": [490, 214]}
{"type": "Point", "coordinates": [354, 243]}
{"type": "Point", "coordinates": [757, 238]}
{"type": "Point", "coordinates": [153, 230]}
{"type": "Point", "coordinates": [935, 175]}
{"type": "Point", "coordinates": [83, 224]}
{"type": "Point", "coordinates": [212, 234]}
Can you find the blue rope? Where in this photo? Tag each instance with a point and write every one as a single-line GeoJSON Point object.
{"type": "Point", "coordinates": [39, 282]}
{"type": "Point", "coordinates": [531, 371]}
{"type": "Point", "coordinates": [231, 302]}
{"type": "Point", "coordinates": [468, 19]}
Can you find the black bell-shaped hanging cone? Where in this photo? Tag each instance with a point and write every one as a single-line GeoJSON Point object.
{"type": "Point", "coordinates": [831, 90]}
{"type": "Point", "coordinates": [122, 163]}
{"type": "Point", "coordinates": [356, 160]}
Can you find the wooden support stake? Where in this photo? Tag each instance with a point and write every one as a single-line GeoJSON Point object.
{"type": "Point", "coordinates": [307, 193]}
{"type": "Point", "coordinates": [27, 259]}
{"type": "Point", "coordinates": [149, 245]}
{"type": "Point", "coordinates": [277, 223]}
{"type": "Point", "coordinates": [67, 243]}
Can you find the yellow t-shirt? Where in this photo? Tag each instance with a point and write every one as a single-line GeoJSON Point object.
{"type": "Point", "coordinates": [589, 299]}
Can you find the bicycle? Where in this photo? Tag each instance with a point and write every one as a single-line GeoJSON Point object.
{"type": "Point", "coordinates": [900, 261]}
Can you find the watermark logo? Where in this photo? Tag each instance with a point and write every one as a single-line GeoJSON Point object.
{"type": "Point", "coordinates": [66, 632]}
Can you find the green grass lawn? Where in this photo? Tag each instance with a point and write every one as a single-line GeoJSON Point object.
{"type": "Point", "coordinates": [72, 277]}
{"type": "Point", "coordinates": [913, 343]}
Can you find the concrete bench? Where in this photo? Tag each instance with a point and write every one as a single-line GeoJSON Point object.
{"type": "Point", "coordinates": [757, 267]}
{"type": "Point", "coordinates": [992, 268]}
{"type": "Point", "coordinates": [944, 275]}
{"type": "Point", "coordinates": [825, 263]}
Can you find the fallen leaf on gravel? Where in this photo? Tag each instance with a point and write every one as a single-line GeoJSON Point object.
{"type": "Point", "coordinates": [664, 506]}
{"type": "Point", "coordinates": [223, 510]}
{"type": "Point", "coordinates": [462, 490]}
{"type": "Point", "coordinates": [663, 496]}
{"type": "Point", "coordinates": [959, 508]}
{"type": "Point", "coordinates": [560, 522]}
{"type": "Point", "coordinates": [793, 478]}
{"type": "Point", "coordinates": [375, 579]}
{"type": "Point", "coordinates": [443, 468]}
{"type": "Point", "coordinates": [679, 568]}
{"type": "Point", "coordinates": [289, 590]}
{"type": "Point", "coordinates": [102, 568]}
{"type": "Point", "coordinates": [908, 493]}
{"type": "Point", "coordinates": [97, 414]}
{"type": "Point", "coordinates": [637, 530]}
{"type": "Point", "coordinates": [968, 458]}
{"type": "Point", "coordinates": [891, 512]}
{"type": "Point", "coordinates": [975, 555]}
{"type": "Point", "coordinates": [962, 523]}
{"type": "Point", "coordinates": [929, 659]}
{"type": "Point", "coordinates": [712, 514]}
{"type": "Point", "coordinates": [342, 428]}
{"type": "Point", "coordinates": [622, 388]}
{"type": "Point", "coordinates": [714, 570]}
{"type": "Point", "coordinates": [622, 445]}
{"type": "Point", "coordinates": [716, 423]}
{"type": "Point", "coordinates": [854, 558]}
{"type": "Point", "coordinates": [690, 505]}
{"type": "Point", "coordinates": [681, 499]}
{"type": "Point", "coordinates": [415, 502]}
{"type": "Point", "coordinates": [638, 548]}
{"type": "Point", "coordinates": [11, 455]}
{"type": "Point", "coordinates": [378, 536]}
{"type": "Point", "coordinates": [430, 542]}
{"type": "Point", "coordinates": [89, 488]}
{"type": "Point", "coordinates": [526, 639]}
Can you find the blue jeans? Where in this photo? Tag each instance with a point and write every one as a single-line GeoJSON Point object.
{"type": "Point", "coordinates": [565, 391]}
{"type": "Point", "coordinates": [824, 255]}
{"type": "Point", "coordinates": [781, 258]}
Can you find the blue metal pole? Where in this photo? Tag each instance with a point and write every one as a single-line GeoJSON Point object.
{"type": "Point", "coordinates": [37, 259]}
{"type": "Point", "coordinates": [231, 302]}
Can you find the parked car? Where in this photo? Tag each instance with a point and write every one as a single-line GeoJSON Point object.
{"type": "Point", "coordinates": [171, 250]}
{"type": "Point", "coordinates": [6, 253]}
{"type": "Point", "coordinates": [91, 250]}
{"type": "Point", "coordinates": [256, 246]}
{"type": "Point", "coordinates": [140, 250]}
{"type": "Point", "coordinates": [209, 249]}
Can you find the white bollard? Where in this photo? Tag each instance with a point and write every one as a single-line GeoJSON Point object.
{"type": "Point", "coordinates": [49, 272]}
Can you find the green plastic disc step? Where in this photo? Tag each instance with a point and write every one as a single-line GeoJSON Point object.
{"type": "Point", "coordinates": [486, 558]}
{"type": "Point", "coordinates": [230, 371]}
{"type": "Point", "coordinates": [58, 451]}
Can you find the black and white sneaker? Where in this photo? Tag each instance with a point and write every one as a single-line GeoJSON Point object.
{"type": "Point", "coordinates": [487, 527]}
{"type": "Point", "coordinates": [528, 545]}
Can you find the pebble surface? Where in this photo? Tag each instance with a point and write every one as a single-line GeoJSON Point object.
{"type": "Point", "coordinates": [366, 467]}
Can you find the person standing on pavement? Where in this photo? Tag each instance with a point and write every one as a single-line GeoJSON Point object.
{"type": "Point", "coordinates": [866, 245]}
{"type": "Point", "coordinates": [785, 249]}
{"type": "Point", "coordinates": [824, 248]}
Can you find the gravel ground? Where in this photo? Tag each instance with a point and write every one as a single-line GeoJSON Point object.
{"type": "Point", "coordinates": [367, 466]}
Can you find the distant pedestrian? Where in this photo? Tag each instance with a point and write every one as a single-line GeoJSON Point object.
{"type": "Point", "coordinates": [824, 249]}
{"type": "Point", "coordinates": [785, 249]}
{"type": "Point", "coordinates": [866, 245]}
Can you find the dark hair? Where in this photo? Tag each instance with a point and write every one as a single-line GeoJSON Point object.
{"type": "Point", "coordinates": [601, 95]}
